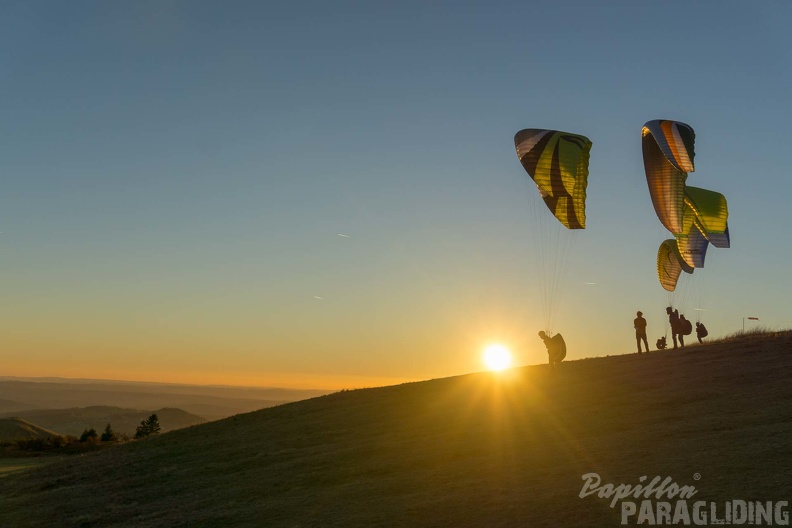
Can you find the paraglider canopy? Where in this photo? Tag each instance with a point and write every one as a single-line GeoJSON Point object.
{"type": "Point", "coordinates": [558, 163]}
{"type": "Point", "coordinates": [696, 217]}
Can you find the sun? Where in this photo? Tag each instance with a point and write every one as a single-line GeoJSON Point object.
{"type": "Point", "coordinates": [497, 357]}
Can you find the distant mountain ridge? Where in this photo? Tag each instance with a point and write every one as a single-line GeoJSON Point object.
{"type": "Point", "coordinates": [7, 406]}
{"type": "Point", "coordinates": [75, 420]}
{"type": "Point", "coordinates": [210, 402]}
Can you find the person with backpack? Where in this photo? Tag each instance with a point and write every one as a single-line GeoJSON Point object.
{"type": "Point", "coordinates": [673, 320]}
{"type": "Point", "coordinates": [639, 323]}
{"type": "Point", "coordinates": [701, 332]}
{"type": "Point", "coordinates": [556, 348]}
{"type": "Point", "coordinates": [685, 328]}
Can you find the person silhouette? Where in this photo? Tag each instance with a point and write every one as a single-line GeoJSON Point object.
{"type": "Point", "coordinates": [556, 348]}
{"type": "Point", "coordinates": [639, 323]}
{"type": "Point", "coordinates": [673, 320]}
{"type": "Point", "coordinates": [701, 332]}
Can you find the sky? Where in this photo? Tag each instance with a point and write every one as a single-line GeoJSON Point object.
{"type": "Point", "coordinates": [177, 177]}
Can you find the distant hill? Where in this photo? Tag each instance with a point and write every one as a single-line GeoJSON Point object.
{"type": "Point", "coordinates": [482, 450]}
{"type": "Point", "coordinates": [13, 429]}
{"type": "Point", "coordinates": [210, 402]}
{"type": "Point", "coordinates": [75, 420]}
{"type": "Point", "coordinates": [7, 406]}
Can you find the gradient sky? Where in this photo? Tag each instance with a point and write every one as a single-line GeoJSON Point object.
{"type": "Point", "coordinates": [175, 177]}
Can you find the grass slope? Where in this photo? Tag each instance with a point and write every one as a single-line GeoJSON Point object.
{"type": "Point", "coordinates": [476, 450]}
{"type": "Point", "coordinates": [13, 429]}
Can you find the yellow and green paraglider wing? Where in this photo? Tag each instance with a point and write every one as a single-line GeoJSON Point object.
{"type": "Point", "coordinates": [558, 164]}
{"type": "Point", "coordinates": [668, 152]}
{"type": "Point", "coordinates": [670, 264]}
{"type": "Point", "coordinates": [712, 214]}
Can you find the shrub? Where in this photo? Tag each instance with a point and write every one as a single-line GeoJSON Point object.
{"type": "Point", "coordinates": [59, 441]}
{"type": "Point", "coordinates": [32, 444]}
{"type": "Point", "coordinates": [88, 434]}
{"type": "Point", "coordinates": [43, 444]}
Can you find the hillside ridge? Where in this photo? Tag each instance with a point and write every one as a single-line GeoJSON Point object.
{"type": "Point", "coordinates": [13, 429]}
{"type": "Point", "coordinates": [482, 449]}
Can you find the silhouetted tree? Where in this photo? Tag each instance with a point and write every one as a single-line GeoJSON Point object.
{"type": "Point", "coordinates": [88, 434]}
{"type": "Point", "coordinates": [153, 424]}
{"type": "Point", "coordinates": [108, 435]}
{"type": "Point", "coordinates": [148, 427]}
{"type": "Point", "coordinates": [141, 431]}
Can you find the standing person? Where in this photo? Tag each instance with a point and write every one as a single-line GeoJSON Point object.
{"type": "Point", "coordinates": [556, 348]}
{"type": "Point", "coordinates": [640, 331]}
{"type": "Point", "coordinates": [673, 320]}
{"type": "Point", "coordinates": [701, 332]}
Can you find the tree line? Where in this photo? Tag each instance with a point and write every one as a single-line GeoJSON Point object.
{"type": "Point", "coordinates": [90, 438]}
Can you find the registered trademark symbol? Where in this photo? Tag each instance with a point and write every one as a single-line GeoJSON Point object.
{"type": "Point", "coordinates": [696, 476]}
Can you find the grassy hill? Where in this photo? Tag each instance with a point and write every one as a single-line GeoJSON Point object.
{"type": "Point", "coordinates": [74, 421]}
{"type": "Point", "coordinates": [483, 450]}
{"type": "Point", "coordinates": [13, 429]}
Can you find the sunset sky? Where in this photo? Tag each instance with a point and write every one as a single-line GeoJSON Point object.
{"type": "Point", "coordinates": [177, 177]}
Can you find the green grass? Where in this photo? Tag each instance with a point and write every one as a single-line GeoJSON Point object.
{"type": "Point", "coordinates": [481, 450]}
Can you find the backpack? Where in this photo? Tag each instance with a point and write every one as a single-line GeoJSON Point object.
{"type": "Point", "coordinates": [701, 330]}
{"type": "Point", "coordinates": [687, 327]}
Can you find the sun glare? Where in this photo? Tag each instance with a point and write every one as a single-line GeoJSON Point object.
{"type": "Point", "coordinates": [497, 357]}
